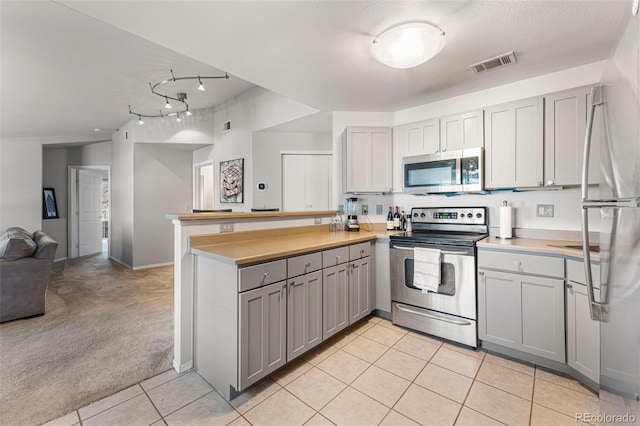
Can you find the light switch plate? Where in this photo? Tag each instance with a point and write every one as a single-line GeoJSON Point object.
{"type": "Point", "coordinates": [317, 220]}
{"type": "Point", "coordinates": [544, 210]}
{"type": "Point", "coordinates": [365, 209]}
{"type": "Point", "coordinates": [226, 227]}
{"type": "Point", "coordinates": [341, 208]}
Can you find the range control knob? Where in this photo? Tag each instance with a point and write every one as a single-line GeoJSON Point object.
{"type": "Point", "coordinates": [422, 214]}
{"type": "Point", "coordinates": [469, 215]}
{"type": "Point", "coordinates": [478, 215]}
{"type": "Point", "coordinates": [415, 214]}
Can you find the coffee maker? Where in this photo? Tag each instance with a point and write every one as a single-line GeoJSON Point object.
{"type": "Point", "coordinates": [352, 223]}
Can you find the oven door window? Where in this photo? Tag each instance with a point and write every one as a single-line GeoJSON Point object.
{"type": "Point", "coordinates": [447, 277]}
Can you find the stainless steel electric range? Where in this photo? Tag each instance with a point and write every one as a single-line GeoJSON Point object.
{"type": "Point", "coordinates": [451, 313]}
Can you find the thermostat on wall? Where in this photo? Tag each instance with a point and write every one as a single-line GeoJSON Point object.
{"type": "Point", "coordinates": [261, 186]}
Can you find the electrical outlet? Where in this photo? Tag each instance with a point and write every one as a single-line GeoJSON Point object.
{"type": "Point", "coordinates": [317, 221]}
{"type": "Point", "coordinates": [544, 210]}
{"type": "Point", "coordinates": [226, 227]}
{"type": "Point", "coordinates": [341, 208]}
{"type": "Point", "coordinates": [379, 209]}
{"type": "Point", "coordinates": [365, 209]}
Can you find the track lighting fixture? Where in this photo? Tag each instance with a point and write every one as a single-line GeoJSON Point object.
{"type": "Point", "coordinates": [180, 97]}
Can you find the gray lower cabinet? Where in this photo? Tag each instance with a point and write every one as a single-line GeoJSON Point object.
{"type": "Point", "coordinates": [359, 289]}
{"type": "Point", "coordinates": [521, 311]}
{"type": "Point", "coordinates": [335, 297]}
{"type": "Point", "coordinates": [304, 313]}
{"type": "Point", "coordinates": [263, 332]}
{"type": "Point", "coordinates": [583, 334]}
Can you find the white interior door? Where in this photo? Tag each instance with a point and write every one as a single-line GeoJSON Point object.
{"type": "Point", "coordinates": [89, 212]}
{"type": "Point", "coordinates": [293, 183]}
{"type": "Point", "coordinates": [306, 179]}
{"type": "Point", "coordinates": [317, 182]}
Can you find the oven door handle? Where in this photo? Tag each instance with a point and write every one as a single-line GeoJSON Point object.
{"type": "Point", "coordinates": [436, 317]}
{"type": "Point", "coordinates": [441, 251]}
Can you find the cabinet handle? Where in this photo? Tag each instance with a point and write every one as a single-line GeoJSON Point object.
{"type": "Point", "coordinates": [267, 275]}
{"type": "Point", "coordinates": [569, 285]}
{"type": "Point", "coordinates": [337, 259]}
{"type": "Point", "coordinates": [307, 265]}
{"type": "Point", "coordinates": [517, 263]}
{"type": "Point", "coordinates": [444, 149]}
{"type": "Point", "coordinates": [284, 285]}
{"type": "Point", "coordinates": [361, 252]}
{"type": "Point", "coordinates": [550, 182]}
{"type": "Point", "coordinates": [540, 183]}
{"type": "Point", "coordinates": [480, 273]}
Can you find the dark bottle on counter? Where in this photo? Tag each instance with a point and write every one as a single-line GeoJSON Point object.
{"type": "Point", "coordinates": [396, 220]}
{"type": "Point", "coordinates": [390, 220]}
{"type": "Point", "coordinates": [403, 221]}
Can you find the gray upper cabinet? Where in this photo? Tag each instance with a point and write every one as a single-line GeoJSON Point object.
{"type": "Point", "coordinates": [565, 128]}
{"type": "Point", "coordinates": [263, 332]}
{"type": "Point", "coordinates": [521, 311]}
{"type": "Point", "coordinates": [513, 141]}
{"type": "Point", "coordinates": [461, 131]}
{"type": "Point", "coordinates": [367, 157]}
{"type": "Point", "coordinates": [423, 137]}
{"type": "Point", "coordinates": [304, 313]}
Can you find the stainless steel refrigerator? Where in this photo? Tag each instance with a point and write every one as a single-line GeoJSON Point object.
{"type": "Point", "coordinates": [616, 107]}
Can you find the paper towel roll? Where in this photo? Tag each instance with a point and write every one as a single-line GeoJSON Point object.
{"type": "Point", "coordinates": [506, 222]}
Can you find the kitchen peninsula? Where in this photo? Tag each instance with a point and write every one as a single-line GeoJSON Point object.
{"type": "Point", "coordinates": [265, 297]}
{"type": "Point", "coordinates": [187, 225]}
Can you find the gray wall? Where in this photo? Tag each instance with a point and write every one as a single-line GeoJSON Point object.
{"type": "Point", "coordinates": [122, 197]}
{"type": "Point", "coordinates": [20, 184]}
{"type": "Point", "coordinates": [267, 165]}
{"type": "Point", "coordinates": [162, 184]}
{"type": "Point", "coordinates": [95, 154]}
{"type": "Point", "coordinates": [54, 175]}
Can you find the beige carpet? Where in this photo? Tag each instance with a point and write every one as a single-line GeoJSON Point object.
{"type": "Point", "coordinates": [105, 328]}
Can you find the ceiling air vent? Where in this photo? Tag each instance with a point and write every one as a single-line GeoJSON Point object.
{"type": "Point", "coordinates": [498, 61]}
{"type": "Point", "coordinates": [226, 126]}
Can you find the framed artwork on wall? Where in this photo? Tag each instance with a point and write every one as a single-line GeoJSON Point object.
{"type": "Point", "coordinates": [49, 205]}
{"type": "Point", "coordinates": [232, 181]}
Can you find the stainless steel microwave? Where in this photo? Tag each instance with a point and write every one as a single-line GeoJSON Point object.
{"type": "Point", "coordinates": [442, 172]}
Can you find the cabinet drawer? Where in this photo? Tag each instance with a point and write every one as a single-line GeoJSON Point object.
{"type": "Point", "coordinates": [522, 263]}
{"type": "Point", "coordinates": [304, 264]}
{"type": "Point", "coordinates": [335, 256]}
{"type": "Point", "coordinates": [575, 272]}
{"type": "Point", "coordinates": [263, 274]}
{"type": "Point", "coordinates": [358, 251]}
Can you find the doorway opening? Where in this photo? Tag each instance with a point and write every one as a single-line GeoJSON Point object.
{"type": "Point", "coordinates": [203, 186]}
{"type": "Point", "coordinates": [90, 211]}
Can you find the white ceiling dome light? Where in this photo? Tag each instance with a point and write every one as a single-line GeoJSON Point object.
{"type": "Point", "coordinates": [408, 45]}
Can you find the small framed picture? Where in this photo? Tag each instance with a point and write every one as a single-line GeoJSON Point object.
{"type": "Point", "coordinates": [49, 206]}
{"type": "Point", "coordinates": [231, 181]}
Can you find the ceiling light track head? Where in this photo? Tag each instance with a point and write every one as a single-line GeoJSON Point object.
{"type": "Point", "coordinates": [180, 96]}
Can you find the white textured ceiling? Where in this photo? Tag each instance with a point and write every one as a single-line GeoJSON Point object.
{"type": "Point", "coordinates": [72, 69]}
{"type": "Point", "coordinates": [63, 74]}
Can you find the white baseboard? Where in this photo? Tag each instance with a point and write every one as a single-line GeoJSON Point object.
{"type": "Point", "coordinates": [59, 260]}
{"type": "Point", "coordinates": [182, 368]}
{"type": "Point", "coordinates": [120, 262]}
{"type": "Point", "coordinates": [156, 265]}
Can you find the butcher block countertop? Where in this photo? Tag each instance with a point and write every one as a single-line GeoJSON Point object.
{"type": "Point", "coordinates": [535, 245]}
{"type": "Point", "coordinates": [247, 215]}
{"type": "Point", "coordinates": [246, 247]}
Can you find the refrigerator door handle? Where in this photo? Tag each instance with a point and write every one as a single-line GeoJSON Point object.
{"type": "Point", "coordinates": [596, 309]}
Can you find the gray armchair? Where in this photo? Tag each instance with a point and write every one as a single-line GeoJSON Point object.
{"type": "Point", "coordinates": [23, 281]}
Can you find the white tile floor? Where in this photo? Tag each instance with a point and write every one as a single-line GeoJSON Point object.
{"type": "Point", "coordinates": [373, 373]}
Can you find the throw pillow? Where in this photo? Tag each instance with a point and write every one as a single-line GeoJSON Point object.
{"type": "Point", "coordinates": [16, 243]}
